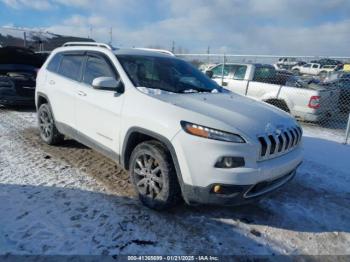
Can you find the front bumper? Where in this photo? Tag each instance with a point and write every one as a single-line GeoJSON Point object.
{"type": "Point", "coordinates": [311, 117]}
{"type": "Point", "coordinates": [16, 100]}
{"type": "Point", "coordinates": [197, 157]}
{"type": "Point", "coordinates": [235, 194]}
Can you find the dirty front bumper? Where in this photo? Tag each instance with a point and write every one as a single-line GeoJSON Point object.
{"type": "Point", "coordinates": [232, 195]}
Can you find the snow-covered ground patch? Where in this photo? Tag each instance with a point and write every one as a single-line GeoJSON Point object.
{"type": "Point", "coordinates": [72, 200]}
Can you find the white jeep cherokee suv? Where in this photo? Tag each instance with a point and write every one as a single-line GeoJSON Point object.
{"type": "Point", "coordinates": [176, 131]}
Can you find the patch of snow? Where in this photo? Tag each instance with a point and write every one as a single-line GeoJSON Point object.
{"type": "Point", "coordinates": [54, 200]}
{"type": "Point", "coordinates": [153, 91]}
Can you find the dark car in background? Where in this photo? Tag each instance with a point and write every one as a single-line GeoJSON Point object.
{"type": "Point", "coordinates": [18, 70]}
{"type": "Point", "coordinates": [344, 99]}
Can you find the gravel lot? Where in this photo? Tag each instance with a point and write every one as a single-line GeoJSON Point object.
{"type": "Point", "coordinates": [72, 200]}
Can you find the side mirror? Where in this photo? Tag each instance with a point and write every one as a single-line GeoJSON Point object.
{"type": "Point", "coordinates": [209, 73]}
{"type": "Point", "coordinates": [108, 83]}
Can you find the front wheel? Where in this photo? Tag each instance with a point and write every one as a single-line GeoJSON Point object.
{"type": "Point", "coordinates": [296, 72]}
{"type": "Point", "coordinates": [323, 74]}
{"type": "Point", "coordinates": [153, 175]}
{"type": "Point", "coordinates": [48, 131]}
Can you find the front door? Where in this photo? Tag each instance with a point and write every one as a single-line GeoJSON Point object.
{"type": "Point", "coordinates": [98, 111]}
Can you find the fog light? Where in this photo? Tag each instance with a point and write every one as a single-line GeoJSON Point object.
{"type": "Point", "coordinates": [217, 189]}
{"type": "Point", "coordinates": [230, 162]}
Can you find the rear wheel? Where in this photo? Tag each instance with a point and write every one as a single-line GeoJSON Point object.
{"type": "Point", "coordinates": [280, 104]}
{"type": "Point", "coordinates": [153, 175]}
{"type": "Point", "coordinates": [323, 74]}
{"type": "Point", "coordinates": [48, 131]}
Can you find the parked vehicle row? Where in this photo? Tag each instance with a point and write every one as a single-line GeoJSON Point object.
{"type": "Point", "coordinates": [177, 132]}
{"type": "Point", "coordinates": [314, 69]}
{"type": "Point", "coordinates": [18, 69]}
{"type": "Point", "coordinates": [283, 90]}
{"type": "Point", "coordinates": [286, 63]}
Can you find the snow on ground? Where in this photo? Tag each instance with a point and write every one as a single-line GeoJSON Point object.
{"type": "Point", "coordinates": [72, 200]}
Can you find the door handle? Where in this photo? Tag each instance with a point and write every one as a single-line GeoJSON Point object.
{"type": "Point", "coordinates": [81, 93]}
{"type": "Point", "coordinates": [52, 82]}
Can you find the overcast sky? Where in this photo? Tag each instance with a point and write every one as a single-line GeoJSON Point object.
{"type": "Point", "coordinates": [290, 27]}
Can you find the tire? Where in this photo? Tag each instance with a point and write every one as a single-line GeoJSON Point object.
{"type": "Point", "coordinates": [153, 175]}
{"type": "Point", "coordinates": [323, 74]}
{"type": "Point", "coordinates": [296, 72]}
{"type": "Point", "coordinates": [48, 131]}
{"type": "Point", "coordinates": [279, 104]}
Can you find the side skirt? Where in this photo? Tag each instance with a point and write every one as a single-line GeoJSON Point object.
{"type": "Point", "coordinates": [85, 140]}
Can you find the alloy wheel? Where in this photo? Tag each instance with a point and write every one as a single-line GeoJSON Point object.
{"type": "Point", "coordinates": [148, 176]}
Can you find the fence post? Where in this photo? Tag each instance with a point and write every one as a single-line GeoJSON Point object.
{"type": "Point", "coordinates": [347, 133]}
{"type": "Point", "coordinates": [222, 71]}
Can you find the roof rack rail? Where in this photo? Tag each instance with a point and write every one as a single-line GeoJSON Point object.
{"type": "Point", "coordinates": [163, 51]}
{"type": "Point", "coordinates": [88, 44]}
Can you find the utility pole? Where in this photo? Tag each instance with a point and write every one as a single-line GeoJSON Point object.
{"type": "Point", "coordinates": [25, 38]}
{"type": "Point", "coordinates": [208, 52]}
{"type": "Point", "coordinates": [173, 47]}
{"type": "Point", "coordinates": [90, 32]}
{"type": "Point", "coordinates": [111, 36]}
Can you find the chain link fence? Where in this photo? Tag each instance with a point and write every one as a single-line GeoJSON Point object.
{"type": "Point", "coordinates": [315, 90]}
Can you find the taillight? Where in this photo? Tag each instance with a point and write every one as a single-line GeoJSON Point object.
{"type": "Point", "coordinates": [315, 102]}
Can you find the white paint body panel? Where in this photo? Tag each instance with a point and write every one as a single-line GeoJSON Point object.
{"type": "Point", "coordinates": [297, 99]}
{"type": "Point", "coordinates": [106, 117]}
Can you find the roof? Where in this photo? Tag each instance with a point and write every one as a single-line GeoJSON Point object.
{"type": "Point", "coordinates": [117, 51]}
{"type": "Point", "coordinates": [140, 52]}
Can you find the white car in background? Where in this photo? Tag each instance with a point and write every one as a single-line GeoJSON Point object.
{"type": "Point", "coordinates": [285, 91]}
{"type": "Point", "coordinates": [314, 69]}
{"type": "Point", "coordinates": [177, 132]}
{"type": "Point", "coordinates": [287, 63]}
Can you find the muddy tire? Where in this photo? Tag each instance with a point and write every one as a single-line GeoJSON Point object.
{"type": "Point", "coordinates": [279, 104]}
{"type": "Point", "coordinates": [48, 131]}
{"type": "Point", "coordinates": [153, 175]}
{"type": "Point", "coordinates": [296, 72]}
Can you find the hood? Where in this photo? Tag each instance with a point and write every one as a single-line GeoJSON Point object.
{"type": "Point", "coordinates": [244, 114]}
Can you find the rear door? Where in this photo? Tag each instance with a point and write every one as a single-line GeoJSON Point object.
{"type": "Point", "coordinates": [315, 68]}
{"type": "Point", "coordinates": [262, 86]}
{"type": "Point", "coordinates": [64, 74]}
{"type": "Point", "coordinates": [306, 69]}
{"type": "Point", "coordinates": [98, 111]}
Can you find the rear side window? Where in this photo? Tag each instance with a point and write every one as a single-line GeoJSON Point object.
{"type": "Point", "coordinates": [240, 72]}
{"type": "Point", "coordinates": [71, 66]}
{"type": "Point", "coordinates": [264, 74]}
{"type": "Point", "coordinates": [96, 67]}
{"type": "Point", "coordinates": [54, 63]}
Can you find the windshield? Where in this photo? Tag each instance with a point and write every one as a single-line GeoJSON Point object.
{"type": "Point", "coordinates": [168, 74]}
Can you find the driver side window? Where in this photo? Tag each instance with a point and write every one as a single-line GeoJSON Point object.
{"type": "Point", "coordinates": [217, 71]}
{"type": "Point", "coordinates": [97, 66]}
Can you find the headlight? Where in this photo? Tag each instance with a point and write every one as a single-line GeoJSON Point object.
{"type": "Point", "coordinates": [210, 133]}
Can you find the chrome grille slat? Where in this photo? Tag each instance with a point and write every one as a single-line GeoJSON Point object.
{"type": "Point", "coordinates": [280, 143]}
{"type": "Point", "coordinates": [292, 137]}
{"type": "Point", "coordinates": [268, 146]}
{"type": "Point", "coordinates": [290, 140]}
{"type": "Point", "coordinates": [296, 136]}
{"type": "Point", "coordinates": [275, 144]}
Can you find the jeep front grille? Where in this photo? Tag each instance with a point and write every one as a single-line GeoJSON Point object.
{"type": "Point", "coordinates": [276, 144]}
